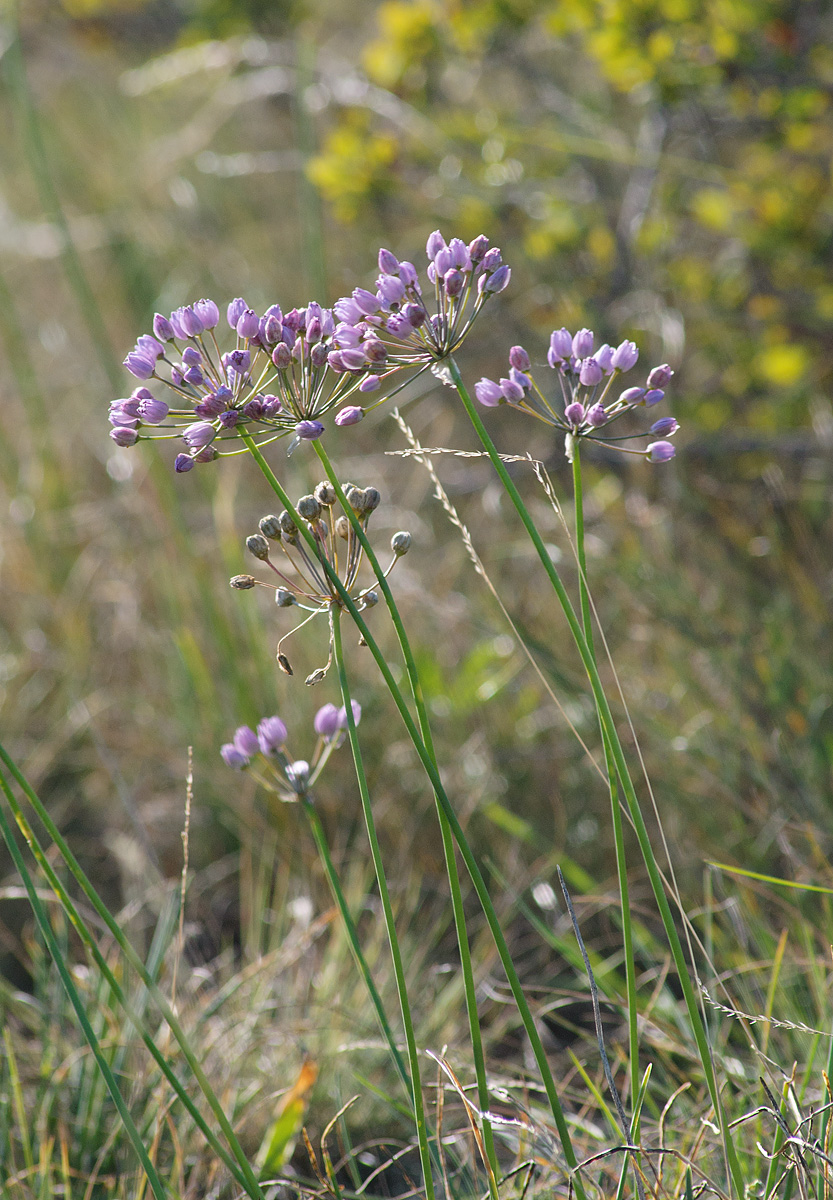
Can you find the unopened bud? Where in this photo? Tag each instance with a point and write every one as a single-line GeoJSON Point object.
{"type": "Point", "coordinates": [355, 498]}
{"type": "Point", "coordinates": [369, 598]}
{"type": "Point", "coordinates": [308, 508]}
{"type": "Point", "coordinates": [325, 494]}
{"type": "Point", "coordinates": [242, 583]}
{"type": "Point", "coordinates": [400, 543]}
{"type": "Point", "coordinates": [270, 527]}
{"type": "Point", "coordinates": [372, 499]}
{"type": "Point", "coordinates": [258, 546]}
{"type": "Point", "coordinates": [284, 598]}
{"type": "Point", "coordinates": [286, 523]}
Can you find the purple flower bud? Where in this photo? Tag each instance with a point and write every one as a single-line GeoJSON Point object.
{"type": "Point", "coordinates": [191, 357]}
{"type": "Point", "coordinates": [233, 758]}
{"type": "Point", "coordinates": [435, 243]}
{"type": "Point", "coordinates": [353, 360]}
{"type": "Point", "coordinates": [351, 415]}
{"type": "Point", "coordinates": [488, 393]}
{"type": "Point", "coordinates": [367, 302]}
{"type": "Point", "coordinates": [660, 451]}
{"type": "Point", "coordinates": [415, 315]}
{"type": "Point", "coordinates": [512, 391]}
{"type": "Point", "coordinates": [374, 350]}
{"type": "Point", "coordinates": [625, 356]}
{"type": "Point", "coordinates": [245, 741]}
{"type": "Point", "coordinates": [271, 735]}
{"type": "Point", "coordinates": [206, 455]}
{"type": "Point", "coordinates": [235, 312]}
{"type": "Point", "coordinates": [309, 430]}
{"type": "Point", "coordinates": [281, 356]}
{"type": "Point", "coordinates": [162, 328]}
{"type": "Point", "coordinates": [208, 313]}
{"type": "Point", "coordinates": [126, 409]}
{"type": "Point", "coordinates": [371, 384]}
{"type": "Point", "coordinates": [391, 290]}
{"type": "Point", "coordinates": [664, 427]}
{"type": "Point", "coordinates": [348, 311]}
{"type": "Point", "coordinates": [210, 406]}
{"type": "Point", "coordinates": [453, 282]}
{"type": "Point", "coordinates": [653, 397]}
{"type": "Point", "coordinates": [153, 411]}
{"type": "Point", "coordinates": [189, 321]}
{"type": "Point", "coordinates": [334, 358]}
{"type": "Point", "coordinates": [297, 775]}
{"type": "Point", "coordinates": [176, 325]}
{"type": "Point", "coordinates": [182, 463]}
{"type": "Point", "coordinates": [408, 275]}
{"type": "Point", "coordinates": [496, 282]}
{"type": "Point", "coordinates": [271, 406]}
{"type": "Point", "coordinates": [388, 263]}
{"type": "Point", "coordinates": [583, 343]}
{"type": "Point", "coordinates": [597, 416]}
{"type": "Point", "coordinates": [342, 714]}
{"type": "Point", "coordinates": [199, 434]}
{"type": "Point", "coordinates": [632, 395]}
{"type": "Point", "coordinates": [460, 257]}
{"type": "Point", "coordinates": [519, 358]}
{"type": "Point", "coordinates": [519, 377]}
{"type": "Point", "coordinates": [194, 376]}
{"type": "Point", "coordinates": [122, 435]}
{"type": "Point", "coordinates": [248, 324]}
{"type": "Point", "coordinates": [325, 722]}
{"type": "Point", "coordinates": [660, 376]}
{"type": "Point", "coordinates": [318, 354]}
{"type": "Point", "coordinates": [604, 357]}
{"type": "Point", "coordinates": [149, 346]}
{"type": "Point", "coordinates": [238, 361]}
{"type": "Point", "coordinates": [574, 414]}
{"type": "Point", "coordinates": [561, 346]}
{"type": "Point", "coordinates": [478, 248]}
{"type": "Point", "coordinates": [176, 377]}
{"type": "Point", "coordinates": [230, 418]}
{"type": "Point", "coordinates": [591, 373]}
{"type": "Point", "coordinates": [270, 330]}
{"type": "Point", "coordinates": [313, 331]}
{"type": "Point", "coordinates": [443, 262]}
{"type": "Point", "coordinates": [492, 259]}
{"type": "Point", "coordinates": [140, 365]}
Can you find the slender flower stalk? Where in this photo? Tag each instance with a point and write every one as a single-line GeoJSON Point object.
{"type": "Point", "coordinates": [609, 725]}
{"type": "Point", "coordinates": [429, 764]}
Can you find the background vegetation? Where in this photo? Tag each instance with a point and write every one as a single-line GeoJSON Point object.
{"type": "Point", "coordinates": [657, 170]}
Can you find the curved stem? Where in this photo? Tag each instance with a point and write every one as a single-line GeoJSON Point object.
{"type": "Point", "coordinates": [452, 872]}
{"type": "Point", "coordinates": [608, 724]}
{"type": "Point", "coordinates": [472, 867]}
{"type": "Point", "coordinates": [387, 909]}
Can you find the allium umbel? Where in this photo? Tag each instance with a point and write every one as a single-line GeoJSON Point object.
{"type": "Point", "coordinates": [585, 380]}
{"type": "Point", "coordinates": [281, 374]}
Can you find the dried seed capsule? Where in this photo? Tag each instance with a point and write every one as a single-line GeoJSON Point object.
{"type": "Point", "coordinates": [315, 677]}
{"type": "Point", "coordinates": [308, 508]}
{"type": "Point", "coordinates": [242, 583]}
{"type": "Point", "coordinates": [355, 498]}
{"type": "Point", "coordinates": [284, 598]}
{"type": "Point", "coordinates": [283, 663]}
{"type": "Point", "coordinates": [258, 546]}
{"type": "Point", "coordinates": [342, 527]}
{"type": "Point", "coordinates": [286, 523]}
{"type": "Point", "coordinates": [325, 493]}
{"type": "Point", "coordinates": [270, 527]}
{"type": "Point", "coordinates": [400, 543]}
{"type": "Point", "coordinates": [372, 499]}
{"type": "Point", "coordinates": [370, 598]}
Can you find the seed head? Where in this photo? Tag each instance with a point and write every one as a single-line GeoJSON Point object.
{"type": "Point", "coordinates": [342, 527]}
{"type": "Point", "coordinates": [242, 583]}
{"type": "Point", "coordinates": [258, 546]}
{"type": "Point", "coordinates": [270, 527]}
{"type": "Point", "coordinates": [400, 543]}
{"type": "Point", "coordinates": [308, 508]}
{"type": "Point", "coordinates": [284, 598]}
{"type": "Point", "coordinates": [325, 494]}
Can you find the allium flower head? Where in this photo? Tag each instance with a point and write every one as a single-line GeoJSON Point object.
{"type": "Point", "coordinates": [584, 380]}
{"type": "Point", "coordinates": [301, 579]}
{"type": "Point", "coordinates": [280, 375]}
{"type": "Point", "coordinates": [412, 325]}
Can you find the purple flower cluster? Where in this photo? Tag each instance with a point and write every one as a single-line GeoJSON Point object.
{"type": "Point", "coordinates": [264, 750]}
{"type": "Point", "coordinates": [283, 372]}
{"type": "Point", "coordinates": [397, 317]}
{"type": "Point", "coordinates": [585, 378]}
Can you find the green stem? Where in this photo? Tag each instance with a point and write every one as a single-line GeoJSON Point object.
{"type": "Point", "coordinates": [472, 867]}
{"type": "Point", "coordinates": [353, 936]}
{"type": "Point", "coordinates": [245, 1174]}
{"type": "Point", "coordinates": [606, 717]}
{"type": "Point", "coordinates": [387, 909]}
{"type": "Point", "coordinates": [616, 812]}
{"type": "Point", "coordinates": [415, 682]}
{"type": "Point", "coordinates": [159, 1190]}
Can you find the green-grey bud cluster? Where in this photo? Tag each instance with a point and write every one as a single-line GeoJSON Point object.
{"type": "Point", "coordinates": [270, 527]}
{"type": "Point", "coordinates": [369, 598]}
{"type": "Point", "coordinates": [325, 494]}
{"type": "Point", "coordinates": [308, 508]}
{"type": "Point", "coordinates": [400, 543]}
{"type": "Point", "coordinates": [362, 500]}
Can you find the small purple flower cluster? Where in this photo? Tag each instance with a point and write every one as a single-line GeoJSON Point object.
{"type": "Point", "coordinates": [397, 316]}
{"type": "Point", "coordinates": [283, 373]}
{"type": "Point", "coordinates": [264, 750]}
{"type": "Point", "coordinates": [585, 378]}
